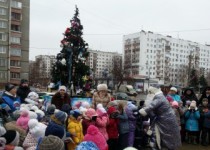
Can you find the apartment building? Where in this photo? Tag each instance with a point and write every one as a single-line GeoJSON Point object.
{"type": "Point", "coordinates": [164, 58]}
{"type": "Point", "coordinates": [102, 62]}
{"type": "Point", "coordinates": [45, 63]}
{"type": "Point", "coordinates": [14, 41]}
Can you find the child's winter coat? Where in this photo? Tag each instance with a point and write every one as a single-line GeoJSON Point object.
{"type": "Point", "coordinates": [75, 129]}
{"type": "Point", "coordinates": [192, 117]}
{"type": "Point", "coordinates": [102, 121]}
{"type": "Point", "coordinates": [95, 136]}
{"type": "Point", "coordinates": [112, 127]}
{"type": "Point", "coordinates": [131, 118]}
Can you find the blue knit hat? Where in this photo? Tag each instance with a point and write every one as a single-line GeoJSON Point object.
{"type": "Point", "coordinates": [87, 145]}
{"type": "Point", "coordinates": [61, 116]}
{"type": "Point", "coordinates": [55, 129]}
{"type": "Point", "coordinates": [75, 113]}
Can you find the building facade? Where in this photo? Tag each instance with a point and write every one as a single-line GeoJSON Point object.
{"type": "Point", "coordinates": [14, 41]}
{"type": "Point", "coordinates": [164, 58]}
{"type": "Point", "coordinates": [102, 62]}
{"type": "Point", "coordinates": [40, 70]}
{"type": "Point", "coordinates": [45, 63]}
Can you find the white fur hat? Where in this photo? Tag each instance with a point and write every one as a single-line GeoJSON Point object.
{"type": "Point", "coordinates": [32, 115]}
{"type": "Point", "coordinates": [62, 87]}
{"type": "Point", "coordinates": [2, 131]}
{"type": "Point", "coordinates": [173, 89]}
{"type": "Point", "coordinates": [34, 108]}
{"type": "Point", "coordinates": [102, 87]}
{"type": "Point", "coordinates": [40, 112]}
{"type": "Point", "coordinates": [33, 96]}
{"type": "Point", "coordinates": [101, 108]}
{"type": "Point", "coordinates": [36, 129]}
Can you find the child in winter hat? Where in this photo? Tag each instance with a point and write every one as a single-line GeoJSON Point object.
{"type": "Point", "coordinates": [87, 145]}
{"type": "Point", "coordinates": [36, 128]}
{"type": "Point", "coordinates": [100, 110]}
{"type": "Point", "coordinates": [23, 119]}
{"type": "Point", "coordinates": [95, 136]}
{"type": "Point", "coordinates": [175, 104]}
{"type": "Point", "coordinates": [30, 142]}
{"type": "Point", "coordinates": [102, 120]}
{"type": "Point", "coordinates": [32, 98]}
{"type": "Point", "coordinates": [40, 114]}
{"type": "Point", "coordinates": [51, 109]}
{"type": "Point", "coordinates": [12, 138]}
{"type": "Point", "coordinates": [56, 125]}
{"type": "Point", "coordinates": [89, 119]}
{"type": "Point", "coordinates": [130, 108]}
{"type": "Point", "coordinates": [112, 128]}
{"type": "Point", "coordinates": [59, 117]}
{"type": "Point", "coordinates": [50, 143]}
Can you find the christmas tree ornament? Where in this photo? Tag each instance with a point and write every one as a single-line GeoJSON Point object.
{"type": "Point", "coordinates": [63, 61]}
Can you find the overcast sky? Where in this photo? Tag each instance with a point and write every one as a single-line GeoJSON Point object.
{"type": "Point", "coordinates": [105, 22]}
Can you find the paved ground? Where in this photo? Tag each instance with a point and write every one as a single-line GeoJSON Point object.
{"type": "Point", "coordinates": [194, 147]}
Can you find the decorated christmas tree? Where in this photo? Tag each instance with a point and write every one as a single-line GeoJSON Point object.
{"type": "Point", "coordinates": [70, 68]}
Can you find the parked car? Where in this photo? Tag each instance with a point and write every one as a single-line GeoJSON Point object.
{"type": "Point", "coordinates": [123, 96]}
{"type": "Point", "coordinates": [128, 89]}
{"type": "Point", "coordinates": [42, 94]}
{"type": "Point", "coordinates": [139, 90]}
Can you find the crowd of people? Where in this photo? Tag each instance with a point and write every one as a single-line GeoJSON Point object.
{"type": "Point", "coordinates": [159, 122]}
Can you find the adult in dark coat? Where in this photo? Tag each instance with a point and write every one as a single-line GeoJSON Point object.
{"type": "Point", "coordinates": [205, 94]}
{"type": "Point", "coordinates": [60, 98]}
{"type": "Point", "coordinates": [189, 94]}
{"type": "Point", "coordinates": [23, 90]}
{"type": "Point", "coordinates": [166, 127]}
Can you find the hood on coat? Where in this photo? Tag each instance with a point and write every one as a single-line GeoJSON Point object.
{"type": "Point", "coordinates": [92, 130]}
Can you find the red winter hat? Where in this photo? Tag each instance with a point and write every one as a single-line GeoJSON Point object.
{"type": "Point", "coordinates": [111, 110]}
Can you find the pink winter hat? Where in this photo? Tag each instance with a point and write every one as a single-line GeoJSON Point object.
{"type": "Point", "coordinates": [22, 121]}
{"type": "Point", "coordinates": [90, 113]}
{"type": "Point", "coordinates": [175, 104]}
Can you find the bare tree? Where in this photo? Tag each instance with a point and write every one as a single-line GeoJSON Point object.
{"type": "Point", "coordinates": [121, 73]}
{"type": "Point", "coordinates": [208, 77]}
{"type": "Point", "coordinates": [38, 73]}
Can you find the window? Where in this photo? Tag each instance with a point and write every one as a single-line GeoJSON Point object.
{"type": "Point", "coordinates": [16, 4]}
{"type": "Point", "coordinates": [3, 11]}
{"type": "Point", "coordinates": [15, 27]}
{"type": "Point", "coordinates": [15, 40]}
{"type": "Point", "coordinates": [3, 37]}
{"type": "Point", "coordinates": [3, 24]}
{"type": "Point", "coordinates": [15, 63]}
{"type": "Point", "coordinates": [2, 75]}
{"type": "Point", "coordinates": [15, 75]}
{"type": "Point", "coordinates": [2, 62]}
{"type": "Point", "coordinates": [3, 49]}
{"type": "Point", "coordinates": [16, 16]}
{"type": "Point", "coordinates": [15, 52]}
